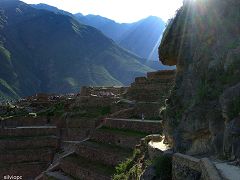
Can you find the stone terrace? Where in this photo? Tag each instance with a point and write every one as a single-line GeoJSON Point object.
{"type": "Point", "coordinates": [83, 143]}
{"type": "Point", "coordinates": [149, 94]}
{"type": "Point", "coordinates": [26, 148]}
{"type": "Point", "coordinates": [110, 144]}
{"type": "Point", "coordinates": [153, 88]}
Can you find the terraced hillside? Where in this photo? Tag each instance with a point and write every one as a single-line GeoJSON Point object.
{"type": "Point", "coordinates": [74, 136]}
{"type": "Point", "coordinates": [110, 144]}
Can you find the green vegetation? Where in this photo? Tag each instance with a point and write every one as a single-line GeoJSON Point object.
{"type": "Point", "coordinates": [92, 112]}
{"type": "Point", "coordinates": [123, 131]}
{"type": "Point", "coordinates": [129, 169]}
{"type": "Point", "coordinates": [55, 110]}
{"type": "Point", "coordinates": [163, 166]}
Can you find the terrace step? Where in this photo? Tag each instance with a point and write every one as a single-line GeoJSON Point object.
{"type": "Point", "coordinates": [19, 169]}
{"type": "Point", "coordinates": [26, 121]}
{"type": "Point", "coordinates": [146, 126]}
{"type": "Point", "coordinates": [26, 155]}
{"type": "Point", "coordinates": [119, 137]}
{"type": "Point", "coordinates": [56, 175]}
{"type": "Point", "coordinates": [106, 153]}
{"type": "Point", "coordinates": [82, 168]}
{"type": "Point", "coordinates": [28, 131]}
{"type": "Point", "coordinates": [10, 143]}
{"type": "Point", "coordinates": [75, 134]}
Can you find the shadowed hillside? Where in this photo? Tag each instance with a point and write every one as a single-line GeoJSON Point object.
{"type": "Point", "coordinates": [46, 52]}
{"type": "Point", "coordinates": [142, 37]}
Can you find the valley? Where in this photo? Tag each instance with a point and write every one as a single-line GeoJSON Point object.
{"type": "Point", "coordinates": [75, 104]}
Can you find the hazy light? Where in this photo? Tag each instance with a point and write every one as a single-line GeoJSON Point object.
{"type": "Point", "coordinates": [118, 10]}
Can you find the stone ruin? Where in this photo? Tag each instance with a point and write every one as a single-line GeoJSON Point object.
{"type": "Point", "coordinates": [148, 94]}
{"type": "Point", "coordinates": [103, 91]}
{"type": "Point", "coordinates": [152, 88]}
{"type": "Point", "coordinates": [85, 141]}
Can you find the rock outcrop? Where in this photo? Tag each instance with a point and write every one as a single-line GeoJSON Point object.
{"type": "Point", "coordinates": [202, 112]}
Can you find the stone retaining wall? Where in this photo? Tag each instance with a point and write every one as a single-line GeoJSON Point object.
{"type": "Point", "coordinates": [74, 134]}
{"type": "Point", "coordinates": [27, 155]}
{"type": "Point", "coordinates": [102, 91]}
{"type": "Point", "coordinates": [29, 142]}
{"type": "Point", "coordinates": [79, 122]}
{"type": "Point", "coordinates": [28, 132]}
{"type": "Point", "coordinates": [81, 172]}
{"type": "Point", "coordinates": [163, 74]}
{"type": "Point", "coordinates": [151, 127]}
{"type": "Point", "coordinates": [153, 88]}
{"type": "Point", "coordinates": [28, 121]}
{"type": "Point", "coordinates": [117, 139]}
{"type": "Point", "coordinates": [185, 167]}
{"type": "Point", "coordinates": [94, 101]}
{"type": "Point", "coordinates": [106, 156]}
{"type": "Point", "coordinates": [26, 170]}
{"type": "Point", "coordinates": [188, 167]}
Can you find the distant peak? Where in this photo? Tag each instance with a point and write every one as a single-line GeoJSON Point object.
{"type": "Point", "coordinates": [154, 18]}
{"type": "Point", "coordinates": [79, 14]}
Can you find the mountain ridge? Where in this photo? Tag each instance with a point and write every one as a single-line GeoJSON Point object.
{"type": "Point", "coordinates": [53, 53]}
{"type": "Point", "coordinates": [125, 34]}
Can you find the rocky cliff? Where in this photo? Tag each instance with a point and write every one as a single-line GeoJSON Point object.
{"type": "Point", "coordinates": [202, 112]}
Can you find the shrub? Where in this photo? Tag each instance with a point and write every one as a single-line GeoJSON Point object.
{"type": "Point", "coordinates": [128, 169]}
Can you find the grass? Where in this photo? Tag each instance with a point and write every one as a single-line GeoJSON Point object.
{"type": "Point", "coordinates": [56, 110]}
{"type": "Point", "coordinates": [123, 132]}
{"type": "Point", "coordinates": [92, 112]}
{"type": "Point", "coordinates": [128, 169]}
{"type": "Point", "coordinates": [113, 147]}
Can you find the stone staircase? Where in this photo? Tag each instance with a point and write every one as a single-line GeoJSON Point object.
{"type": "Point", "coordinates": [26, 150]}
{"type": "Point", "coordinates": [110, 144]}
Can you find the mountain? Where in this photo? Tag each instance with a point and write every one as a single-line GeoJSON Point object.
{"type": "Point", "coordinates": [51, 8]}
{"type": "Point", "coordinates": [41, 51]}
{"type": "Point", "coordinates": [142, 37]}
{"type": "Point", "coordinates": [109, 27]}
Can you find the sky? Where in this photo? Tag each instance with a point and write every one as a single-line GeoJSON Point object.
{"type": "Point", "coordinates": [122, 11]}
